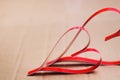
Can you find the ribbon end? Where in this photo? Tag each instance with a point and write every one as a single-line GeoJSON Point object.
{"type": "Point", "coordinates": [32, 72]}
{"type": "Point", "coordinates": [116, 34]}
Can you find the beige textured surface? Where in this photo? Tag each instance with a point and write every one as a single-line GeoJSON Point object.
{"type": "Point", "coordinates": [29, 28]}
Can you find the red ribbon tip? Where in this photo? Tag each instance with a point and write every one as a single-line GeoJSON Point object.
{"type": "Point", "coordinates": [116, 34]}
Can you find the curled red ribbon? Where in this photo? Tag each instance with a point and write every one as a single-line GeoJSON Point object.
{"type": "Point", "coordinates": [48, 65]}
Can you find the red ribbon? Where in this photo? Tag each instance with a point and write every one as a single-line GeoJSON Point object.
{"type": "Point", "coordinates": [48, 65]}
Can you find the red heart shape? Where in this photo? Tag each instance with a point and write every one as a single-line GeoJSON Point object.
{"type": "Point", "coordinates": [47, 65]}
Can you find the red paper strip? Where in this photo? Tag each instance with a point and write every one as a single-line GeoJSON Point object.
{"type": "Point", "coordinates": [46, 66]}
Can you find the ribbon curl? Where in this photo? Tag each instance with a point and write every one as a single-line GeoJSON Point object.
{"type": "Point", "coordinates": [47, 65]}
